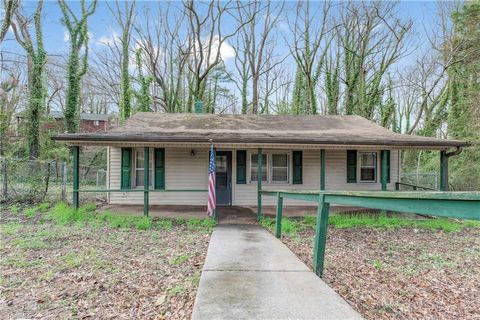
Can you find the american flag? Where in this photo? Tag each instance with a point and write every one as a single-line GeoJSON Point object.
{"type": "Point", "coordinates": [212, 201]}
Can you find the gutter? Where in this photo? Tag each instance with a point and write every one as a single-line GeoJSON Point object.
{"type": "Point", "coordinates": [456, 152]}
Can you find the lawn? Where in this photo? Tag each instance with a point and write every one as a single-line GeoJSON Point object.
{"type": "Point", "coordinates": [397, 268]}
{"type": "Point", "coordinates": [57, 264]}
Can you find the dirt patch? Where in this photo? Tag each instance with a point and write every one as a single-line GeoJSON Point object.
{"type": "Point", "coordinates": [57, 272]}
{"type": "Point", "coordinates": [401, 274]}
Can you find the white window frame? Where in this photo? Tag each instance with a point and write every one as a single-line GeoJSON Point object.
{"type": "Point", "coordinates": [360, 166]}
{"type": "Point", "coordinates": [135, 169]}
{"type": "Point", "coordinates": [270, 178]}
{"type": "Point", "coordinates": [269, 163]}
{"type": "Point", "coordinates": [263, 164]}
{"type": "Point", "coordinates": [96, 123]}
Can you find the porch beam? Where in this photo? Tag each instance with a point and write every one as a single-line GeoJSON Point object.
{"type": "Point", "coordinates": [322, 169]}
{"type": "Point", "coordinates": [76, 175]}
{"type": "Point", "coordinates": [443, 171]}
{"type": "Point", "coordinates": [146, 176]}
{"type": "Point", "coordinates": [384, 172]}
{"type": "Point", "coordinates": [259, 184]}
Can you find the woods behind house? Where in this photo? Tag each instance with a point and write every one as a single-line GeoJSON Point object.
{"type": "Point", "coordinates": [260, 57]}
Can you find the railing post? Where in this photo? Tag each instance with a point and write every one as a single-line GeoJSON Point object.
{"type": "Point", "coordinates": [259, 184]}
{"type": "Point", "coordinates": [443, 171]}
{"type": "Point", "coordinates": [76, 175]}
{"type": "Point", "coordinates": [278, 223]}
{"type": "Point", "coordinates": [384, 172]}
{"type": "Point", "coordinates": [146, 176]}
{"type": "Point", "coordinates": [322, 169]}
{"type": "Point", "coordinates": [320, 235]}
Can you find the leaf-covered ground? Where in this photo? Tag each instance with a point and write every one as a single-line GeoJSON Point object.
{"type": "Point", "coordinates": [401, 273]}
{"type": "Point", "coordinates": [53, 271]}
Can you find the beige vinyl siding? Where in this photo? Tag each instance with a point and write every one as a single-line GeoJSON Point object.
{"type": "Point", "coordinates": [182, 171]}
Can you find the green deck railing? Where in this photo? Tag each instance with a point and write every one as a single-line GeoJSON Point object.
{"type": "Point", "coordinates": [459, 205]}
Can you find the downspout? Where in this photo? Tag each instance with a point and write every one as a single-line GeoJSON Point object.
{"type": "Point", "coordinates": [444, 156]}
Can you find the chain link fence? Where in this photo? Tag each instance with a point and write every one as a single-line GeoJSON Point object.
{"type": "Point", "coordinates": [426, 179]}
{"type": "Point", "coordinates": [31, 181]}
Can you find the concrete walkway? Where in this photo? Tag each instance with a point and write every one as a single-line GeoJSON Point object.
{"type": "Point", "coordinates": [249, 274]}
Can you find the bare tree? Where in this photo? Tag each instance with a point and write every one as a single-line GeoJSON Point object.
{"type": "Point", "coordinates": [258, 41]}
{"type": "Point", "coordinates": [9, 7]}
{"type": "Point", "coordinates": [125, 19]}
{"type": "Point", "coordinates": [206, 38]}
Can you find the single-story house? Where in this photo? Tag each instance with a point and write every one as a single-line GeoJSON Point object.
{"type": "Point", "coordinates": [302, 152]}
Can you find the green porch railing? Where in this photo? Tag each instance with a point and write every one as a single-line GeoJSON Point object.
{"type": "Point", "coordinates": [459, 205]}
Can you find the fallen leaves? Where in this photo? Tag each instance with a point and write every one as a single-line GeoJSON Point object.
{"type": "Point", "coordinates": [401, 274]}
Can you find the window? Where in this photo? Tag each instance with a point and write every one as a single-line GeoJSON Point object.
{"type": "Point", "coordinates": [139, 167]}
{"type": "Point", "coordinates": [254, 168]}
{"type": "Point", "coordinates": [368, 166]}
{"type": "Point", "coordinates": [96, 123]}
{"type": "Point", "coordinates": [279, 168]}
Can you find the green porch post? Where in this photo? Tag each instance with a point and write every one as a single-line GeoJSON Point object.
{"type": "Point", "coordinates": [146, 182]}
{"type": "Point", "coordinates": [384, 172]}
{"type": "Point", "coordinates": [259, 184]}
{"type": "Point", "coordinates": [443, 171]}
{"type": "Point", "coordinates": [76, 175]}
{"type": "Point", "coordinates": [322, 169]}
{"type": "Point", "coordinates": [278, 224]}
{"type": "Point", "coordinates": [320, 236]}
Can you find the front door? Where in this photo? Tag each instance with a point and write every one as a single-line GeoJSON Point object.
{"type": "Point", "coordinates": [223, 178]}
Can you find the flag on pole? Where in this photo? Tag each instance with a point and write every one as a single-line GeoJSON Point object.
{"type": "Point", "coordinates": [212, 201]}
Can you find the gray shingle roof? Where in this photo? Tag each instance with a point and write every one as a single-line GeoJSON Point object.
{"type": "Point", "coordinates": [261, 129]}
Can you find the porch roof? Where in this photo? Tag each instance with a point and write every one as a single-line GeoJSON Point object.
{"type": "Point", "coordinates": [338, 130]}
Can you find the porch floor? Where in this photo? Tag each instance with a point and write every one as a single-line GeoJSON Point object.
{"type": "Point", "coordinates": [228, 214]}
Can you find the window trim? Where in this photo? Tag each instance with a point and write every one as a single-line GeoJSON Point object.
{"type": "Point", "coordinates": [360, 166]}
{"type": "Point", "coordinates": [263, 164]}
{"type": "Point", "coordinates": [269, 167]}
{"type": "Point", "coordinates": [150, 167]}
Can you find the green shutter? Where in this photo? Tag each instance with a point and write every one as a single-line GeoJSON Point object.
{"type": "Point", "coordinates": [241, 167]}
{"type": "Point", "coordinates": [388, 165]}
{"type": "Point", "coordinates": [297, 167]}
{"type": "Point", "coordinates": [351, 166]}
{"type": "Point", "coordinates": [126, 169]}
{"type": "Point", "coordinates": [159, 169]}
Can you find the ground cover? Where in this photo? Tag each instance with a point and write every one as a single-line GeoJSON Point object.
{"type": "Point", "coordinates": [59, 263]}
{"type": "Point", "coordinates": [397, 268]}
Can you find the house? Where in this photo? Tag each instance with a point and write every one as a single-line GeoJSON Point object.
{"type": "Point", "coordinates": [89, 122]}
{"type": "Point", "coordinates": [302, 152]}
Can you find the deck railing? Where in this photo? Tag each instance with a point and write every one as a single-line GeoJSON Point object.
{"type": "Point", "coordinates": [459, 205]}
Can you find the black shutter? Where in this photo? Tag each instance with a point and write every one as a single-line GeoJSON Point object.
{"type": "Point", "coordinates": [297, 167]}
{"type": "Point", "coordinates": [241, 166]}
{"type": "Point", "coordinates": [126, 169]}
{"type": "Point", "coordinates": [351, 166]}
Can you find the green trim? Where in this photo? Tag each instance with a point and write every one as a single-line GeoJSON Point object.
{"type": "Point", "coordinates": [159, 168]}
{"type": "Point", "coordinates": [322, 169]}
{"type": "Point", "coordinates": [126, 168]}
{"type": "Point", "coordinates": [259, 184]}
{"type": "Point", "coordinates": [443, 171]}
{"type": "Point", "coordinates": [76, 176]}
{"type": "Point", "coordinates": [146, 178]}
{"type": "Point", "coordinates": [141, 190]}
{"type": "Point", "coordinates": [351, 166]}
{"type": "Point", "coordinates": [385, 172]}
{"type": "Point", "coordinates": [297, 167]}
{"type": "Point", "coordinates": [320, 241]}
{"type": "Point", "coordinates": [278, 224]}
{"type": "Point", "coordinates": [241, 166]}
